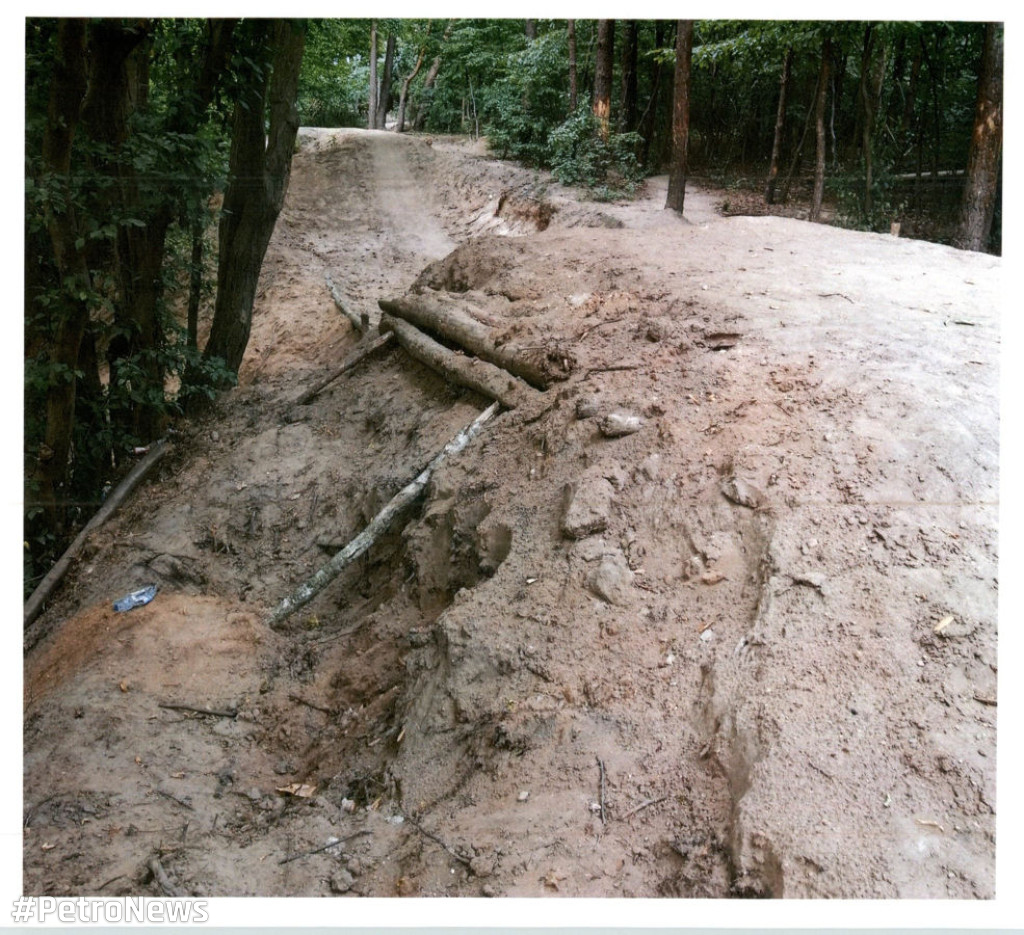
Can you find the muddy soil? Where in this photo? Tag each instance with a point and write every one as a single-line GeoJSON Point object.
{"type": "Point", "coordinates": [748, 649]}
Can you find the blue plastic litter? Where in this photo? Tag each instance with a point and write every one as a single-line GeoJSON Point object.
{"type": "Point", "coordinates": [136, 598]}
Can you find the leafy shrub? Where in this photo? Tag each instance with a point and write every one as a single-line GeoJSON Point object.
{"type": "Point", "coordinates": [579, 155]}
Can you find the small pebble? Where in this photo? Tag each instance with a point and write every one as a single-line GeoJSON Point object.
{"type": "Point", "coordinates": [617, 424]}
{"type": "Point", "coordinates": [523, 796]}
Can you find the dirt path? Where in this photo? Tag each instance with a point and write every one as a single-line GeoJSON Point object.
{"type": "Point", "coordinates": [748, 650]}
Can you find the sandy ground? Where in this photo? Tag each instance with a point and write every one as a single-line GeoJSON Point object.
{"type": "Point", "coordinates": [746, 650]}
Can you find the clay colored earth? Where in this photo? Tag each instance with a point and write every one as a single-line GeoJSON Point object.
{"type": "Point", "coordinates": [745, 648]}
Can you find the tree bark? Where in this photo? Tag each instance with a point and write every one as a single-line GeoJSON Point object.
{"type": "Point", "coordinates": [403, 97]}
{"type": "Point", "coordinates": [647, 121]}
{"type": "Point", "coordinates": [603, 67]}
{"type": "Point", "coordinates": [259, 168]}
{"type": "Point", "coordinates": [530, 29]}
{"type": "Point", "coordinates": [981, 190]}
{"type": "Point", "coordinates": [67, 93]}
{"type": "Point", "coordinates": [477, 375]}
{"type": "Point", "coordinates": [384, 96]}
{"type": "Point", "coordinates": [819, 131]}
{"type": "Point", "coordinates": [372, 118]}
{"type": "Point", "coordinates": [872, 76]}
{"type": "Point", "coordinates": [628, 107]}
{"type": "Point", "coordinates": [680, 116]}
{"type": "Point", "coordinates": [195, 282]}
{"type": "Point", "coordinates": [536, 365]}
{"type": "Point", "coordinates": [573, 79]}
{"type": "Point", "coordinates": [780, 126]}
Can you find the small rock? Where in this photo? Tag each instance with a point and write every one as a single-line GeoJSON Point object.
{"type": "Point", "coordinates": [284, 768]}
{"type": "Point", "coordinates": [488, 891]}
{"type": "Point", "coordinates": [587, 407]}
{"type": "Point", "coordinates": [707, 636]}
{"type": "Point", "coordinates": [341, 881]}
{"type": "Point", "coordinates": [617, 424]}
{"type": "Point", "coordinates": [742, 493]}
{"type": "Point", "coordinates": [524, 795]}
{"type": "Point", "coordinates": [612, 580]}
{"type": "Point", "coordinates": [481, 867]}
{"type": "Point", "coordinates": [354, 866]}
{"type": "Point", "coordinates": [589, 508]}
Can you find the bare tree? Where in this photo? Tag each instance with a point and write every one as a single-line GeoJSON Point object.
{"type": "Point", "coordinates": [573, 93]}
{"type": "Point", "coordinates": [820, 100]}
{"type": "Point", "coordinates": [780, 125]}
{"type": "Point", "coordinates": [258, 172]}
{"type": "Point", "coordinates": [981, 190]}
{"type": "Point", "coordinates": [371, 120]}
{"type": "Point", "coordinates": [603, 67]}
{"type": "Point", "coordinates": [680, 116]}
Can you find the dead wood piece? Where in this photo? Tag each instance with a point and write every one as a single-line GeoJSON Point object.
{"type": "Point", "coordinates": [600, 766]}
{"type": "Point", "coordinates": [298, 699]}
{"type": "Point", "coordinates": [34, 605]}
{"type": "Point", "coordinates": [462, 858]}
{"type": "Point", "coordinates": [356, 357]}
{"type": "Point", "coordinates": [210, 712]}
{"type": "Point", "coordinates": [404, 498]}
{"type": "Point", "coordinates": [478, 375]}
{"type": "Point", "coordinates": [359, 322]}
{"type": "Point", "coordinates": [539, 365]}
{"type": "Point", "coordinates": [326, 847]}
{"type": "Point", "coordinates": [647, 803]}
{"type": "Point", "coordinates": [166, 884]}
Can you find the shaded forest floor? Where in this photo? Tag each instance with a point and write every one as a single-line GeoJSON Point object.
{"type": "Point", "coordinates": [747, 650]}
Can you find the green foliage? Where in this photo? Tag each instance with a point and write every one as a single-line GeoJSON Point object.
{"type": "Point", "coordinates": [579, 156]}
{"type": "Point", "coordinates": [334, 82]}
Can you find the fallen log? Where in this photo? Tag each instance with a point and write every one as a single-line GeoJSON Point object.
{"type": "Point", "coordinates": [478, 375]}
{"type": "Point", "coordinates": [538, 365]}
{"type": "Point", "coordinates": [34, 605]}
{"type": "Point", "coordinates": [359, 322]}
{"type": "Point", "coordinates": [303, 594]}
{"type": "Point", "coordinates": [357, 356]}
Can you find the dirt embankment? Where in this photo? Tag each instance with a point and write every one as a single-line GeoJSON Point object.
{"type": "Point", "coordinates": [746, 650]}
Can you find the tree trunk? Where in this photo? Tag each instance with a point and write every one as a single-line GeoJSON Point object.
{"type": "Point", "coordinates": [403, 97]}
{"type": "Point", "coordinates": [530, 29]}
{"type": "Point", "coordinates": [680, 116]}
{"type": "Point", "coordinates": [372, 118]}
{"type": "Point", "coordinates": [647, 121]}
{"type": "Point", "coordinates": [819, 131]}
{"type": "Point", "coordinates": [981, 190]}
{"type": "Point", "coordinates": [573, 80]}
{"type": "Point", "coordinates": [603, 68]}
{"type": "Point", "coordinates": [872, 76]}
{"type": "Point", "coordinates": [423, 106]}
{"type": "Point", "coordinates": [384, 96]}
{"type": "Point", "coordinates": [259, 168]}
{"type": "Point", "coordinates": [68, 86]}
{"type": "Point", "coordinates": [195, 282]}
{"type": "Point", "coordinates": [538, 365]}
{"type": "Point", "coordinates": [628, 107]}
{"type": "Point", "coordinates": [780, 125]}
{"type": "Point", "coordinates": [471, 372]}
